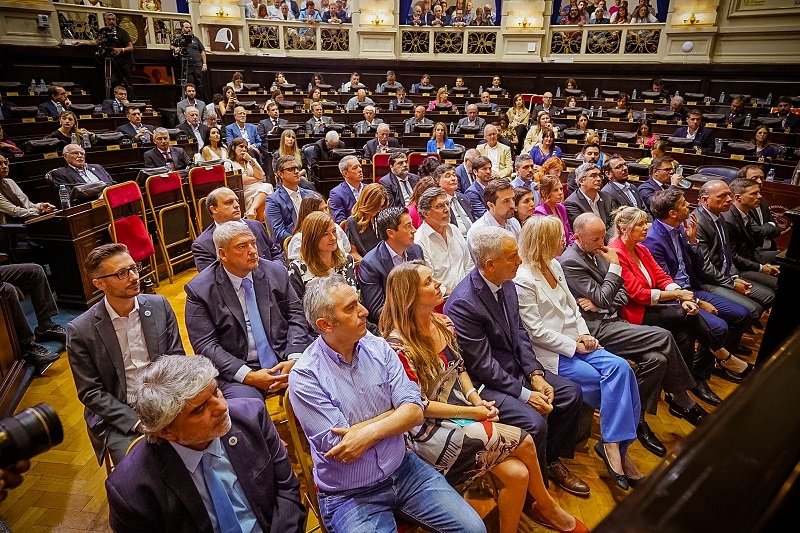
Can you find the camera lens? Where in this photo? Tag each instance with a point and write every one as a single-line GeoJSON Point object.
{"type": "Point", "coordinates": [29, 433]}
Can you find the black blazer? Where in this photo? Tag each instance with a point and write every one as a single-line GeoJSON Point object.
{"type": "Point", "coordinates": [152, 491]}
{"type": "Point", "coordinates": [108, 107]}
{"type": "Point", "coordinates": [372, 273]}
{"type": "Point", "coordinates": [70, 176]}
{"type": "Point", "coordinates": [576, 204]}
{"type": "Point", "coordinates": [153, 158]}
{"type": "Point", "coordinates": [391, 183]}
{"type": "Point", "coordinates": [49, 108]}
{"type": "Point", "coordinates": [215, 319]}
{"type": "Point", "coordinates": [186, 128]}
{"type": "Point", "coordinates": [619, 198]}
{"type": "Point", "coordinates": [371, 147]}
{"type": "Point", "coordinates": [265, 127]}
{"type": "Point", "coordinates": [205, 254]}
{"type": "Point", "coordinates": [713, 251]}
{"type": "Point", "coordinates": [746, 238]}
{"type": "Point", "coordinates": [704, 138]}
{"type": "Point", "coordinates": [466, 205]}
{"type": "Point", "coordinates": [127, 130]}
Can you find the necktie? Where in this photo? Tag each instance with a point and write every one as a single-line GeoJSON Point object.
{"type": "Point", "coordinates": [458, 214]}
{"type": "Point", "coordinates": [2, 116]}
{"type": "Point", "coordinates": [223, 508]}
{"type": "Point", "coordinates": [266, 355]}
{"type": "Point", "coordinates": [406, 190]}
{"type": "Point", "coordinates": [726, 260]}
{"type": "Point", "coordinates": [629, 194]}
{"type": "Point", "coordinates": [501, 300]}
{"type": "Point", "coordinates": [59, 107]}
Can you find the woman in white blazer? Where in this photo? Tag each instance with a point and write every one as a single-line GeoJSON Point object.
{"type": "Point", "coordinates": [562, 344]}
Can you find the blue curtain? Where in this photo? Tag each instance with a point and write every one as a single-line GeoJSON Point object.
{"type": "Point", "coordinates": [183, 6]}
{"type": "Point", "coordinates": [405, 8]}
{"type": "Point", "coordinates": [663, 7]}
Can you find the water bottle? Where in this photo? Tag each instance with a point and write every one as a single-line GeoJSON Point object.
{"type": "Point", "coordinates": [599, 111]}
{"type": "Point", "coordinates": [722, 97]}
{"type": "Point", "coordinates": [85, 139]}
{"type": "Point", "coordinates": [771, 175]}
{"type": "Point", "coordinates": [32, 88]}
{"type": "Point", "coordinates": [634, 94]}
{"type": "Point", "coordinates": [480, 90]}
{"type": "Point", "coordinates": [309, 88]}
{"type": "Point", "coordinates": [63, 195]}
{"type": "Point", "coordinates": [677, 93]}
{"type": "Point", "coordinates": [604, 138]}
{"type": "Point", "coordinates": [391, 105]}
{"type": "Point", "coordinates": [718, 146]}
{"type": "Point", "coordinates": [558, 92]}
{"type": "Point", "coordinates": [146, 137]}
{"type": "Point", "coordinates": [73, 138]}
{"type": "Point", "coordinates": [769, 99]}
{"type": "Point", "coordinates": [407, 128]}
{"type": "Point", "coordinates": [452, 128]}
{"type": "Point", "coordinates": [596, 92]}
{"type": "Point", "coordinates": [747, 120]}
{"type": "Point", "coordinates": [378, 88]}
{"type": "Point", "coordinates": [341, 89]}
{"type": "Point", "coordinates": [644, 114]}
{"type": "Point", "coordinates": [42, 86]}
{"type": "Point", "coordinates": [591, 112]}
{"type": "Point", "coordinates": [679, 171]}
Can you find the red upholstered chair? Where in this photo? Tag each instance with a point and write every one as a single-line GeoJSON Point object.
{"type": "Point", "coordinates": [203, 180]}
{"type": "Point", "coordinates": [128, 225]}
{"type": "Point", "coordinates": [380, 165]}
{"type": "Point", "coordinates": [415, 159]}
{"type": "Point", "coordinates": [172, 217]}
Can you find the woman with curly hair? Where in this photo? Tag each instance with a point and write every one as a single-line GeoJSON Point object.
{"type": "Point", "coordinates": [361, 228]}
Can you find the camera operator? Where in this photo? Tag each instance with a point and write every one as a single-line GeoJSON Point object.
{"type": "Point", "coordinates": [113, 41]}
{"type": "Point", "coordinates": [188, 45]}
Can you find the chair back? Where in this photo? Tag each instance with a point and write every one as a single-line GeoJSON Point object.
{"type": "Point", "coordinates": [415, 159]}
{"type": "Point", "coordinates": [128, 225]}
{"type": "Point", "coordinates": [722, 172]}
{"type": "Point", "coordinates": [302, 451]}
{"type": "Point", "coordinates": [203, 180]}
{"type": "Point", "coordinates": [172, 217]}
{"type": "Point", "coordinates": [380, 165]}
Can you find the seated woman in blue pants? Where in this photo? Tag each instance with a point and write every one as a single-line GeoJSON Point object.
{"type": "Point", "coordinates": [562, 344]}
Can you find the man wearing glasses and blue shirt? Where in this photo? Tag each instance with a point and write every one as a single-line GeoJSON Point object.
{"type": "Point", "coordinates": [123, 332]}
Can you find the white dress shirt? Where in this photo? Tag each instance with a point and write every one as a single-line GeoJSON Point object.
{"type": "Point", "coordinates": [131, 342]}
{"type": "Point", "coordinates": [449, 259]}
{"type": "Point", "coordinates": [487, 220]}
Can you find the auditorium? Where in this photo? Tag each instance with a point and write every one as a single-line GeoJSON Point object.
{"type": "Point", "coordinates": [413, 265]}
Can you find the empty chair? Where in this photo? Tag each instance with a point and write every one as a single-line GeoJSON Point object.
{"type": "Point", "coordinates": [128, 225]}
{"type": "Point", "coordinates": [172, 217]}
{"type": "Point", "coordinates": [719, 171]}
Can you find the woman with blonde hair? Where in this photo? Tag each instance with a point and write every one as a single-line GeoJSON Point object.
{"type": "Point", "coordinates": [255, 188]}
{"type": "Point", "coordinates": [551, 191]}
{"type": "Point", "coordinates": [457, 420]}
{"type": "Point", "coordinates": [441, 98]}
{"type": "Point", "coordinates": [288, 146]}
{"type": "Point", "coordinates": [534, 136]}
{"type": "Point", "coordinates": [320, 254]}
{"type": "Point", "coordinates": [360, 227]}
{"type": "Point", "coordinates": [439, 139]}
{"type": "Point", "coordinates": [519, 115]}
{"type": "Point", "coordinates": [68, 124]}
{"type": "Point", "coordinates": [563, 345]}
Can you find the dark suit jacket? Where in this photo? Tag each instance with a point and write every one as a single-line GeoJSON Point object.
{"type": "Point", "coordinates": [362, 128]}
{"type": "Point", "coordinates": [232, 131]}
{"type": "Point", "coordinates": [704, 138]}
{"type": "Point", "coordinates": [321, 152]}
{"type": "Point", "coordinates": [280, 213]}
{"type": "Point", "coordinates": [341, 201]}
{"type": "Point", "coordinates": [372, 273]}
{"type": "Point", "coordinates": [311, 124]}
{"type": "Point", "coordinates": [465, 204]}
{"type": "Point", "coordinates": [265, 127]}
{"type": "Point", "coordinates": [128, 130]}
{"type": "Point", "coordinates": [649, 188]}
{"type": "Point", "coordinates": [737, 119]}
{"type": "Point", "coordinates": [745, 237]}
{"type": "Point", "coordinates": [576, 204]}
{"type": "Point", "coordinates": [475, 196]}
{"type": "Point", "coordinates": [186, 128]}
{"type": "Point", "coordinates": [792, 122]}
{"type": "Point", "coordinates": [769, 229]}
{"type": "Point", "coordinates": [371, 147]}
{"type": "Point", "coordinates": [391, 183]}
{"type": "Point", "coordinates": [480, 121]}
{"type": "Point", "coordinates": [497, 353]}
{"type": "Point", "coordinates": [215, 319]}
{"type": "Point", "coordinates": [97, 365]}
{"type": "Point", "coordinates": [660, 245]}
{"type": "Point", "coordinates": [70, 176]}
{"type": "Point", "coordinates": [205, 253]}
{"type": "Point", "coordinates": [463, 179]}
{"type": "Point", "coordinates": [152, 491]}
{"type": "Point", "coordinates": [587, 280]}
{"type": "Point", "coordinates": [153, 158]}
{"type": "Point", "coordinates": [619, 198]}
{"type": "Point", "coordinates": [108, 107]}
{"type": "Point", "coordinates": [49, 109]}
{"type": "Point", "coordinates": [553, 111]}
{"type": "Point", "coordinates": [713, 251]}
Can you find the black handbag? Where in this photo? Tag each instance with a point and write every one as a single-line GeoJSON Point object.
{"type": "Point", "coordinates": [39, 146]}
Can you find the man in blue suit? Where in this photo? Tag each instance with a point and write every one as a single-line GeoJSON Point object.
{"type": "Point", "coordinates": [399, 182]}
{"type": "Point", "coordinates": [242, 313]}
{"type": "Point", "coordinates": [241, 128]}
{"type": "Point", "coordinates": [59, 101]}
{"type": "Point", "coordinates": [464, 170]}
{"type": "Point", "coordinates": [662, 177]}
{"type": "Point", "coordinates": [343, 197]}
{"type": "Point", "coordinates": [135, 130]}
{"type": "Point", "coordinates": [396, 230]}
{"type": "Point", "coordinates": [212, 466]}
{"type": "Point", "coordinates": [498, 355]}
{"type": "Point", "coordinates": [283, 205]}
{"type": "Point", "coordinates": [702, 138]}
{"type": "Point", "coordinates": [223, 204]}
{"type": "Point", "coordinates": [482, 172]}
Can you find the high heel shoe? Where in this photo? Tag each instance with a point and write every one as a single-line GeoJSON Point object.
{"type": "Point", "coordinates": [537, 517]}
{"type": "Point", "coordinates": [619, 479]}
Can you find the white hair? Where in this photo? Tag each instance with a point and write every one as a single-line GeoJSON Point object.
{"type": "Point", "coordinates": [318, 302]}
{"type": "Point", "coordinates": [487, 244]}
{"type": "Point", "coordinates": [227, 231]}
{"type": "Point", "coordinates": [345, 162]}
{"type": "Point", "coordinates": [332, 136]}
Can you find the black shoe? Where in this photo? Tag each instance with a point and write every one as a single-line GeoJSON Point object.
{"type": "Point", "coordinates": [53, 332]}
{"type": "Point", "coordinates": [39, 356]}
{"type": "Point", "coordinates": [148, 286]}
{"type": "Point", "coordinates": [620, 480]}
{"type": "Point", "coordinates": [730, 375]}
{"type": "Point", "coordinates": [636, 482]}
{"type": "Point", "coordinates": [694, 415]}
{"type": "Point", "coordinates": [704, 392]}
{"type": "Point", "coordinates": [649, 439]}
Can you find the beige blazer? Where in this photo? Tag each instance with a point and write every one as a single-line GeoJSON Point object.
{"type": "Point", "coordinates": [506, 166]}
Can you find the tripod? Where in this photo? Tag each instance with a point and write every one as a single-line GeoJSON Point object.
{"type": "Point", "coordinates": [107, 73]}
{"type": "Point", "coordinates": [184, 70]}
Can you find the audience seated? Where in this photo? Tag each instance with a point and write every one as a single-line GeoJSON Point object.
{"type": "Point", "coordinates": [552, 194]}
{"type": "Point", "coordinates": [524, 175]}
{"type": "Point", "coordinates": [701, 137]}
{"type": "Point", "coordinates": [193, 127]}
{"type": "Point", "coordinates": [498, 153]}
{"type": "Point", "coordinates": [498, 196]}
{"type": "Point", "coordinates": [68, 127]}
{"type": "Point", "coordinates": [498, 355]}
{"type": "Point", "coordinates": [360, 98]}
{"type": "Point", "coordinates": [418, 118]}
{"type": "Point", "coordinates": [207, 464]}
{"type": "Point", "coordinates": [316, 124]}
{"type": "Point", "coordinates": [534, 136]}
{"type": "Point", "coordinates": [472, 120]}
{"type": "Point", "coordinates": [439, 140]}
{"type": "Point", "coordinates": [14, 204]}
{"type": "Point", "coordinates": [283, 205]}
{"type": "Point", "coordinates": [189, 101]}
{"type": "Point", "coordinates": [441, 102]}
{"type": "Point", "coordinates": [426, 343]}
{"type": "Point", "coordinates": [361, 226]}
{"type": "Point", "coordinates": [464, 170]}
{"type": "Point", "coordinates": [486, 99]}
{"type": "Point", "coordinates": [618, 188]}
{"type": "Point", "coordinates": [164, 155]}
{"type": "Point", "coordinates": [311, 203]}
{"type": "Point", "coordinates": [763, 148]}
{"type": "Point", "coordinates": [214, 145]}
{"type": "Point", "coordinates": [662, 177]}
{"type": "Point", "coordinates": [77, 171]}
{"type": "Point", "coordinates": [343, 197]}
{"type": "Point", "coordinates": [399, 182]}
{"type": "Point", "coordinates": [242, 129]}
{"type": "Point", "coordinates": [546, 105]}
{"type": "Point", "coordinates": [336, 401]}
{"type": "Point", "coordinates": [789, 121]}
{"type": "Point", "coordinates": [223, 204]}
{"type": "Point", "coordinates": [588, 198]}
{"type": "Point", "coordinates": [563, 345]}
{"type": "Point", "coordinates": [766, 251]}
{"type": "Point", "coordinates": [546, 148]}
{"type": "Point", "coordinates": [362, 127]}
{"type": "Point", "coordinates": [460, 207]}
{"type": "Point", "coordinates": [271, 125]}
{"type": "Point", "coordinates": [58, 102]}
{"type": "Point", "coordinates": [8, 147]}
{"type": "Point", "coordinates": [354, 84]}
{"type": "Point", "coordinates": [381, 143]}
{"type": "Point", "coordinates": [255, 188]}
{"type": "Point", "coordinates": [116, 105]}
{"type": "Point", "coordinates": [255, 343]}
{"type": "Point", "coordinates": [735, 115]}
{"type": "Point", "coordinates": [135, 130]}
{"type": "Point", "coordinates": [113, 341]}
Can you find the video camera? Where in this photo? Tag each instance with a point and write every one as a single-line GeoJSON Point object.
{"type": "Point", "coordinates": [30, 432]}
{"type": "Point", "coordinates": [106, 38]}
{"type": "Point", "coordinates": [181, 43]}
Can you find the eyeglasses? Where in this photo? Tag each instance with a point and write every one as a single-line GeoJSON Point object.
{"type": "Point", "coordinates": [123, 273]}
{"type": "Point", "coordinates": [290, 169]}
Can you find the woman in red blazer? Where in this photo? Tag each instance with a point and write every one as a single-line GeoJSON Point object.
{"type": "Point", "coordinates": [655, 299]}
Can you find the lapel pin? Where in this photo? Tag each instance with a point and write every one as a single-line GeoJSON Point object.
{"type": "Point", "coordinates": [233, 441]}
{"type": "Point", "coordinates": [147, 313]}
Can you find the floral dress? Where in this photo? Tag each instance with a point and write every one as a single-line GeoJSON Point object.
{"type": "Point", "coordinates": [461, 450]}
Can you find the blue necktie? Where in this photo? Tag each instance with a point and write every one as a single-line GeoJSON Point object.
{"type": "Point", "coordinates": [266, 355]}
{"type": "Point", "coordinates": [223, 508]}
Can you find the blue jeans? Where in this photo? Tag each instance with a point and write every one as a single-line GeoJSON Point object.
{"type": "Point", "coordinates": [415, 493]}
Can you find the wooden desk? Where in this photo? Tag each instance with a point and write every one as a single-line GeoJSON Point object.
{"type": "Point", "coordinates": [39, 128]}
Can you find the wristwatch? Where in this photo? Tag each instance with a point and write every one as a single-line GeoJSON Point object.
{"type": "Point", "coordinates": [539, 373]}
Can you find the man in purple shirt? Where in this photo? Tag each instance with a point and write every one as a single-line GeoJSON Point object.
{"type": "Point", "coordinates": [355, 402]}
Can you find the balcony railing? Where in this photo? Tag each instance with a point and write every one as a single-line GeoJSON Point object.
{"type": "Point", "coordinates": [449, 41]}
{"type": "Point", "coordinates": [265, 35]}
{"type": "Point", "coordinates": [605, 40]}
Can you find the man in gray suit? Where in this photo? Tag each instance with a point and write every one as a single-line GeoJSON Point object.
{"type": "Point", "coordinates": [242, 313]}
{"type": "Point", "coordinates": [472, 119]}
{"type": "Point", "coordinates": [589, 198]}
{"type": "Point", "coordinates": [189, 101]}
{"type": "Point", "coordinates": [106, 345]}
{"type": "Point", "coordinates": [594, 277]}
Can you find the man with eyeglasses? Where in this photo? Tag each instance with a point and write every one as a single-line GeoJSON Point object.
{"type": "Point", "coordinates": [399, 182]}
{"type": "Point", "coordinates": [662, 177]}
{"type": "Point", "coordinates": [77, 171]}
{"type": "Point", "coordinates": [589, 198]}
{"type": "Point", "coordinates": [59, 102]}
{"type": "Point", "coordinates": [109, 343]}
{"type": "Point", "coordinates": [283, 206]}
